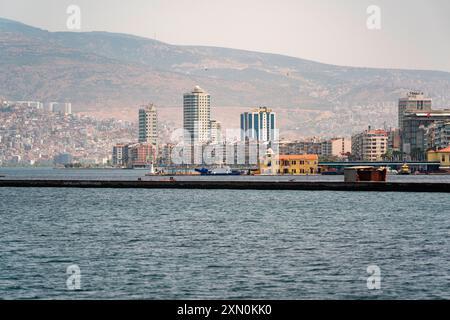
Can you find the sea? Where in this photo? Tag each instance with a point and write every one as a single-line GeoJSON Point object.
{"type": "Point", "coordinates": [69, 243]}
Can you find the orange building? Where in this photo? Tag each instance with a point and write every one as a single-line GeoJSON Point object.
{"type": "Point", "coordinates": [301, 164]}
{"type": "Point", "coordinates": [443, 156]}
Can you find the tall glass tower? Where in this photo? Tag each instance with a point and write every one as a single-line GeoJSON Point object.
{"type": "Point", "coordinates": [259, 125]}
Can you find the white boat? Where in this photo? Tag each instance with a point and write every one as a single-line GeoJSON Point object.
{"type": "Point", "coordinates": [391, 171]}
{"type": "Point", "coordinates": [220, 171]}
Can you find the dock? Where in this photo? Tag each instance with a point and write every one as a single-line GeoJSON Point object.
{"type": "Point", "coordinates": [233, 185]}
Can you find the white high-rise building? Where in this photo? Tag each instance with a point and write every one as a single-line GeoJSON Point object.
{"type": "Point", "coordinates": [148, 124]}
{"type": "Point", "coordinates": [197, 116]}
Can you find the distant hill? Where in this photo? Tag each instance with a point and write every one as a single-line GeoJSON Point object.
{"type": "Point", "coordinates": [102, 71]}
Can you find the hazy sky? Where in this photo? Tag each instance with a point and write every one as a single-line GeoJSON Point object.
{"type": "Point", "coordinates": [414, 34]}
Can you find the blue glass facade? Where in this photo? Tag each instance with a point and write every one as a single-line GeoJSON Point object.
{"type": "Point", "coordinates": [258, 125]}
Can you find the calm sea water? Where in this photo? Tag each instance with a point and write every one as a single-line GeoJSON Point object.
{"type": "Point", "coordinates": [158, 244]}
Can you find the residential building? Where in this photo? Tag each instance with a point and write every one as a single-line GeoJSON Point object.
{"type": "Point", "coordinates": [312, 146]}
{"type": "Point", "coordinates": [370, 145]}
{"type": "Point", "coordinates": [148, 125]}
{"type": "Point", "coordinates": [197, 116]}
{"type": "Point", "coordinates": [141, 155]}
{"type": "Point", "coordinates": [337, 147]}
{"type": "Point", "coordinates": [120, 155]}
{"type": "Point", "coordinates": [394, 140]}
{"type": "Point", "coordinates": [259, 124]}
{"type": "Point", "coordinates": [300, 164]}
{"type": "Point", "coordinates": [437, 135]}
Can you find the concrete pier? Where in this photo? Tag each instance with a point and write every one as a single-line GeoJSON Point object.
{"type": "Point", "coordinates": [238, 185]}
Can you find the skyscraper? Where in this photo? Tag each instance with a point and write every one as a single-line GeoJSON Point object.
{"type": "Point", "coordinates": [259, 124]}
{"type": "Point", "coordinates": [413, 102]}
{"type": "Point", "coordinates": [197, 116]}
{"type": "Point", "coordinates": [148, 124]}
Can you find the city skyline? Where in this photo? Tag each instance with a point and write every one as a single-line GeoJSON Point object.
{"type": "Point", "coordinates": [421, 130]}
{"type": "Point", "coordinates": [224, 159]}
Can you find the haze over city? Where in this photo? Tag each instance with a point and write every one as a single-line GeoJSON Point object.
{"type": "Point", "coordinates": [413, 34]}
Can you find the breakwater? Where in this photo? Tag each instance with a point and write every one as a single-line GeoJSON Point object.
{"type": "Point", "coordinates": [242, 185]}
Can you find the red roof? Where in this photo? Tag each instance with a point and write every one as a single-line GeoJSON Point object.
{"type": "Point", "coordinates": [445, 149]}
{"type": "Point", "coordinates": [298, 157]}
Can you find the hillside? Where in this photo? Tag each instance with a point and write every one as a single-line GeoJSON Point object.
{"type": "Point", "coordinates": [101, 72]}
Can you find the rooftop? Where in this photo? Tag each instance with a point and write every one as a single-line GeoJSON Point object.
{"type": "Point", "coordinates": [297, 157]}
{"type": "Point", "coordinates": [445, 150]}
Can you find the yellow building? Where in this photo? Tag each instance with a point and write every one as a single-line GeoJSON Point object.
{"type": "Point", "coordinates": [301, 164]}
{"type": "Point", "coordinates": [443, 156]}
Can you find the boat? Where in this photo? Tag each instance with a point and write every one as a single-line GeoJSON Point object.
{"type": "Point", "coordinates": [404, 170]}
{"type": "Point", "coordinates": [391, 171]}
{"type": "Point", "coordinates": [222, 171]}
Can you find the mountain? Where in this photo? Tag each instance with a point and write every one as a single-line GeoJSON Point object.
{"type": "Point", "coordinates": [100, 71]}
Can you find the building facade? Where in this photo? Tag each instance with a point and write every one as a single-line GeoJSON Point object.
{"type": "Point", "coordinates": [197, 116]}
{"type": "Point", "coordinates": [148, 125]}
{"type": "Point", "coordinates": [336, 147]}
{"type": "Point", "coordinates": [437, 135]}
{"type": "Point", "coordinates": [394, 140]}
{"type": "Point", "coordinates": [141, 155]}
{"type": "Point", "coordinates": [312, 146]}
{"type": "Point", "coordinates": [120, 155]}
{"type": "Point", "coordinates": [414, 140]}
{"type": "Point", "coordinates": [300, 164]}
{"type": "Point", "coordinates": [415, 115]}
{"type": "Point", "coordinates": [370, 145]}
{"type": "Point", "coordinates": [339, 147]}
{"type": "Point", "coordinates": [259, 124]}
{"type": "Point", "coordinates": [413, 102]}
{"type": "Point", "coordinates": [442, 155]}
